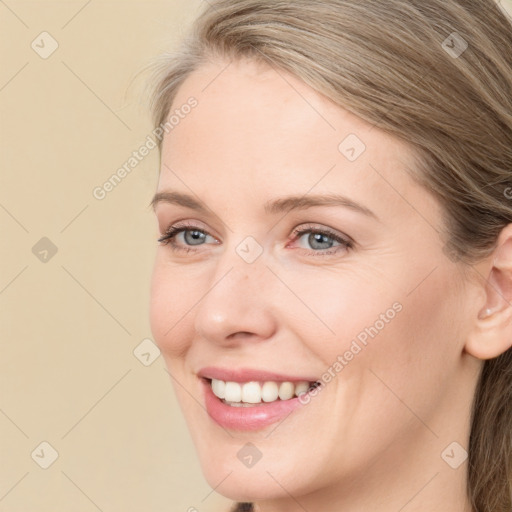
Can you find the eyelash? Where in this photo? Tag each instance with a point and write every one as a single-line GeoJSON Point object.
{"type": "Point", "coordinates": [172, 231]}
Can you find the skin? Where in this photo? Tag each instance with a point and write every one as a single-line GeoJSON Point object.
{"type": "Point", "coordinates": [373, 438]}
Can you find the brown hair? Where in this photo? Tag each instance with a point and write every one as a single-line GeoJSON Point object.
{"type": "Point", "coordinates": [434, 73]}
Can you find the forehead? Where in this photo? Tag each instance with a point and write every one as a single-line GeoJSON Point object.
{"type": "Point", "coordinates": [256, 128]}
{"type": "Point", "coordinates": [252, 101]}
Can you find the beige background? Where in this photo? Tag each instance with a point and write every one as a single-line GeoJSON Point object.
{"type": "Point", "coordinates": [70, 321]}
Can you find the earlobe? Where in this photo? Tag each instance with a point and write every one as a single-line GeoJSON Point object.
{"type": "Point", "coordinates": [486, 313]}
{"type": "Point", "coordinates": [492, 331]}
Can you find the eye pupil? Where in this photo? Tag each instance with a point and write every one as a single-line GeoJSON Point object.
{"type": "Point", "coordinates": [320, 238]}
{"type": "Point", "coordinates": [194, 236]}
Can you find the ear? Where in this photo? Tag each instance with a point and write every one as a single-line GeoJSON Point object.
{"type": "Point", "coordinates": [492, 331]}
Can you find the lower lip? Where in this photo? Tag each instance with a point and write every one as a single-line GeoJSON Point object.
{"type": "Point", "coordinates": [247, 418]}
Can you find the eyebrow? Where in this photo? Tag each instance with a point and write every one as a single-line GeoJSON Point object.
{"type": "Point", "coordinates": [271, 207]}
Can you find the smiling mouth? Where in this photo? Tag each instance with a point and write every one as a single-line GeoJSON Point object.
{"type": "Point", "coordinates": [254, 393]}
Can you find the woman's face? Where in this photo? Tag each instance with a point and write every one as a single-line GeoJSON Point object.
{"type": "Point", "coordinates": [364, 300]}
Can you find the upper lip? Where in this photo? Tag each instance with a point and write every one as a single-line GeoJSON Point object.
{"type": "Point", "coordinates": [249, 374]}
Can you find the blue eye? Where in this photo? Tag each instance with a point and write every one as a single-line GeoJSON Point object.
{"type": "Point", "coordinates": [192, 235]}
{"type": "Point", "coordinates": [323, 239]}
{"type": "Point", "coordinates": [319, 239]}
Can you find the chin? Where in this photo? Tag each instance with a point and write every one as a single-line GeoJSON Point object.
{"type": "Point", "coordinates": [225, 470]}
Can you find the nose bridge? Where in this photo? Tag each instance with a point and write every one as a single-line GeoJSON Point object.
{"type": "Point", "coordinates": [241, 265]}
{"type": "Point", "coordinates": [236, 299]}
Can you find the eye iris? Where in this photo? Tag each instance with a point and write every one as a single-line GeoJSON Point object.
{"type": "Point", "coordinates": [318, 237]}
{"type": "Point", "coordinates": [194, 237]}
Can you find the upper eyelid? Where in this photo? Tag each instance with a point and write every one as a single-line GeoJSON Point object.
{"type": "Point", "coordinates": [308, 226]}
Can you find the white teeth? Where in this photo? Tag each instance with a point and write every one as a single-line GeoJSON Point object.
{"type": "Point", "coordinates": [269, 392]}
{"type": "Point", "coordinates": [218, 387]}
{"type": "Point", "coordinates": [286, 390]}
{"type": "Point", "coordinates": [251, 393]}
{"type": "Point", "coordinates": [244, 394]}
{"type": "Point", "coordinates": [233, 392]}
{"type": "Point", "coordinates": [301, 387]}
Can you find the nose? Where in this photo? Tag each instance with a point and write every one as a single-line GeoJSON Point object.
{"type": "Point", "coordinates": [237, 304]}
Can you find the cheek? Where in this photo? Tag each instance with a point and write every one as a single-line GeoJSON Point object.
{"type": "Point", "coordinates": [411, 340]}
{"type": "Point", "coordinates": [167, 311]}
{"type": "Point", "coordinates": [415, 356]}
{"type": "Point", "coordinates": [350, 312]}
